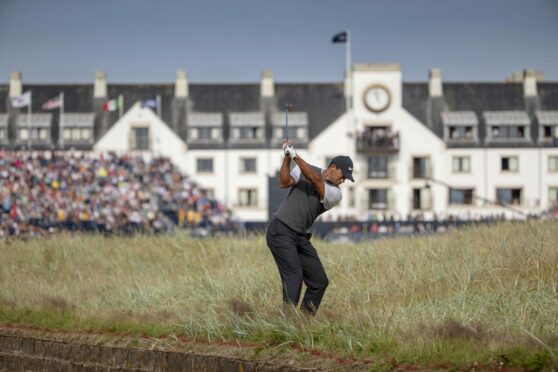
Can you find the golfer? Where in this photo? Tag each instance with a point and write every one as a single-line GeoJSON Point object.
{"type": "Point", "coordinates": [313, 191]}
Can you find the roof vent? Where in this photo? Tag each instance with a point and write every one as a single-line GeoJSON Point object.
{"type": "Point", "coordinates": [15, 84]}
{"type": "Point", "coordinates": [181, 85]}
{"type": "Point", "coordinates": [435, 83]}
{"type": "Point", "coordinates": [100, 90]}
{"type": "Point", "coordinates": [529, 83]}
{"type": "Point", "coordinates": [267, 88]}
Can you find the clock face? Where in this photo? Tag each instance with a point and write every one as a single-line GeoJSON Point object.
{"type": "Point", "coordinates": [377, 98]}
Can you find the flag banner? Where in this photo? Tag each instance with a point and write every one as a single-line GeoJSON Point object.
{"type": "Point", "coordinates": [113, 104]}
{"type": "Point", "coordinates": [150, 102]}
{"type": "Point", "coordinates": [52, 103]}
{"type": "Point", "coordinates": [340, 37]}
{"type": "Point", "coordinates": [555, 141]}
{"type": "Point", "coordinates": [21, 100]}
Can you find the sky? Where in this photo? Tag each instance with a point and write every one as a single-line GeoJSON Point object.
{"type": "Point", "coordinates": [139, 41]}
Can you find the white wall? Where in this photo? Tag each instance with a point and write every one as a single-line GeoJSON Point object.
{"type": "Point", "coordinates": [226, 179]}
{"type": "Point", "coordinates": [162, 140]}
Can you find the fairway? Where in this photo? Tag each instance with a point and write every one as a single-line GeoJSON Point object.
{"type": "Point", "coordinates": [485, 295]}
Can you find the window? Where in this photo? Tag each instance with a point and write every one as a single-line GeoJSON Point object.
{"type": "Point", "coordinates": [377, 167]}
{"type": "Point", "coordinates": [547, 131]}
{"type": "Point", "coordinates": [248, 165]}
{"type": "Point", "coordinates": [248, 132]}
{"type": "Point", "coordinates": [461, 132]}
{"type": "Point", "coordinates": [552, 195]}
{"type": "Point", "coordinates": [421, 167]}
{"type": "Point", "coordinates": [85, 133]}
{"type": "Point", "coordinates": [23, 134]}
{"type": "Point", "coordinates": [248, 197]}
{"type": "Point", "coordinates": [507, 131]}
{"type": "Point", "coordinates": [41, 133]}
{"type": "Point", "coordinates": [2, 134]}
{"type": "Point", "coordinates": [294, 132]}
{"type": "Point", "coordinates": [352, 201]}
{"type": "Point", "coordinates": [37, 134]}
{"type": "Point", "coordinates": [553, 164]}
{"type": "Point", "coordinates": [76, 134]}
{"type": "Point", "coordinates": [208, 193]}
{"type": "Point", "coordinates": [421, 199]}
{"type": "Point", "coordinates": [461, 196]}
{"type": "Point", "coordinates": [508, 196]}
{"type": "Point", "coordinates": [377, 199]}
{"type": "Point", "coordinates": [202, 133]}
{"type": "Point", "coordinates": [139, 138]}
{"type": "Point", "coordinates": [461, 164]}
{"type": "Point", "coordinates": [204, 165]}
{"type": "Point", "coordinates": [510, 164]}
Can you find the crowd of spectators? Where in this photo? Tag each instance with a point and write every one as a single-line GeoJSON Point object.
{"type": "Point", "coordinates": [45, 192]}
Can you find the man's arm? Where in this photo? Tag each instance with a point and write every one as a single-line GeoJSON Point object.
{"type": "Point", "coordinates": [311, 175]}
{"type": "Point", "coordinates": [285, 179]}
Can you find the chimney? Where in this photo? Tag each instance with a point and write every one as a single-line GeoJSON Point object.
{"type": "Point", "coordinates": [529, 83]}
{"type": "Point", "coordinates": [15, 84]}
{"type": "Point", "coordinates": [435, 83]}
{"type": "Point", "coordinates": [267, 88]}
{"type": "Point", "coordinates": [100, 90]}
{"type": "Point", "coordinates": [181, 85]}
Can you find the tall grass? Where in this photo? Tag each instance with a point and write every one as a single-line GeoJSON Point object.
{"type": "Point", "coordinates": [474, 295]}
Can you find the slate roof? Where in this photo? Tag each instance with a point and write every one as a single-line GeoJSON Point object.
{"type": "Point", "coordinates": [478, 98]}
{"type": "Point", "coordinates": [323, 103]}
{"type": "Point", "coordinates": [548, 96]}
{"type": "Point", "coordinates": [4, 91]}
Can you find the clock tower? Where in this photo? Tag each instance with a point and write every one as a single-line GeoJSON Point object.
{"type": "Point", "coordinates": [376, 94]}
{"type": "Point", "coordinates": [376, 113]}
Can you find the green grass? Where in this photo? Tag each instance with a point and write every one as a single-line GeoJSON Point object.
{"type": "Point", "coordinates": [481, 295]}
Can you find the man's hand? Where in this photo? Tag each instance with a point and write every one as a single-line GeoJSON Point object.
{"type": "Point", "coordinates": [289, 150]}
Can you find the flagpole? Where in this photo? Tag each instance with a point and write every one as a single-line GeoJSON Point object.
{"type": "Point", "coordinates": [349, 78]}
{"type": "Point", "coordinates": [62, 120]}
{"type": "Point", "coordinates": [159, 105]}
{"type": "Point", "coordinates": [121, 105]}
{"type": "Point", "coordinates": [29, 122]}
{"type": "Point", "coordinates": [347, 66]}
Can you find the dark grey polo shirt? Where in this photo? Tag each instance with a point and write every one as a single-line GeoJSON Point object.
{"type": "Point", "coordinates": [302, 205]}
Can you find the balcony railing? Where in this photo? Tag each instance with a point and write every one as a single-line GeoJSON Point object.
{"type": "Point", "coordinates": [370, 143]}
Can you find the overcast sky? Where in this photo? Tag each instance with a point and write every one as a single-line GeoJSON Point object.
{"type": "Point", "coordinates": [53, 41]}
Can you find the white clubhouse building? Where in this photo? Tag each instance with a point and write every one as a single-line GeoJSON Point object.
{"type": "Point", "coordinates": [464, 149]}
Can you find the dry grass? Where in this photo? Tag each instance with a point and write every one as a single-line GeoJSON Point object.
{"type": "Point", "coordinates": [470, 295]}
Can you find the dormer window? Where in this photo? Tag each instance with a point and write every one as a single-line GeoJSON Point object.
{"type": "Point", "coordinates": [548, 125]}
{"type": "Point", "coordinates": [77, 128]}
{"type": "Point", "coordinates": [247, 127]}
{"type": "Point", "coordinates": [40, 129]}
{"type": "Point", "coordinates": [461, 132]}
{"type": "Point", "coordinates": [205, 128]}
{"type": "Point", "coordinates": [507, 125]}
{"type": "Point", "coordinates": [298, 127]}
{"type": "Point", "coordinates": [460, 126]}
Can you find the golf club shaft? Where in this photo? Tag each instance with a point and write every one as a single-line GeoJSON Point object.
{"type": "Point", "coordinates": [287, 122]}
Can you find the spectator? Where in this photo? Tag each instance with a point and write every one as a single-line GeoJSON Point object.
{"type": "Point", "coordinates": [47, 192]}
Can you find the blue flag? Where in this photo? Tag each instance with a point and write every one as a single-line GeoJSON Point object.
{"type": "Point", "coordinates": [150, 102]}
{"type": "Point", "coordinates": [340, 37]}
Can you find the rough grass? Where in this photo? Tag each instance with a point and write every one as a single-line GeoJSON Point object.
{"type": "Point", "coordinates": [480, 295]}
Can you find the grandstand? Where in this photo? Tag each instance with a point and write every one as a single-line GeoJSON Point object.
{"type": "Point", "coordinates": [43, 193]}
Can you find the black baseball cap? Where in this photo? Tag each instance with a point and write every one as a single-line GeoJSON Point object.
{"type": "Point", "coordinates": [345, 164]}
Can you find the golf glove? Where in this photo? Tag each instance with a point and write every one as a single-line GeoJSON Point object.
{"type": "Point", "coordinates": [289, 150]}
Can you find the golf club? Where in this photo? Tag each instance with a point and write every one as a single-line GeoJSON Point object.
{"type": "Point", "coordinates": [288, 107]}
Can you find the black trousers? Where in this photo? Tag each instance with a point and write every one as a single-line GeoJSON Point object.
{"type": "Point", "coordinates": [297, 261]}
